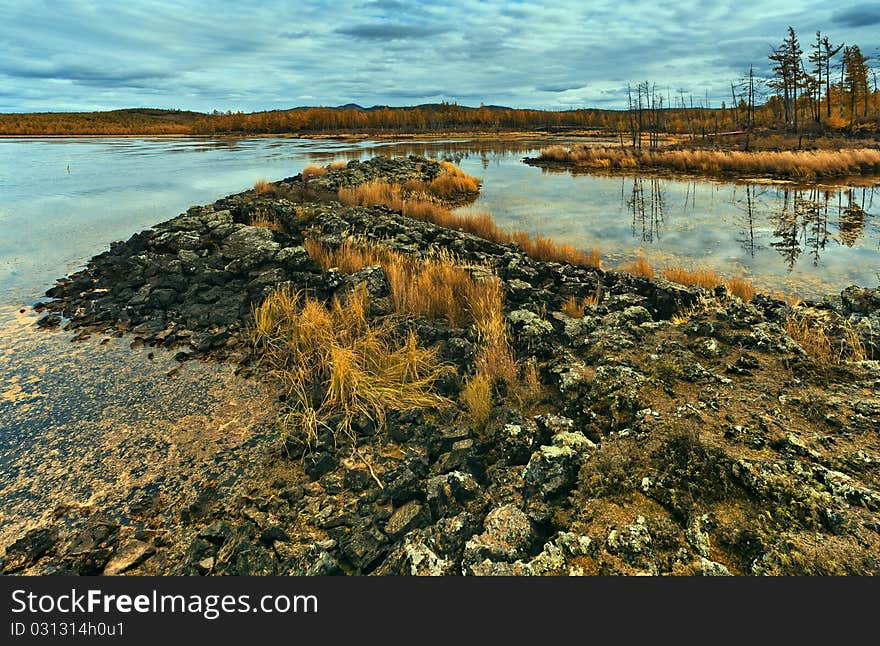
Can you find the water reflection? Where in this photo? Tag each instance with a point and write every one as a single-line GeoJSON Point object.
{"type": "Point", "coordinates": [804, 221]}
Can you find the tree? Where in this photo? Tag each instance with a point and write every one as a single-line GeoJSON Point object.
{"type": "Point", "coordinates": [788, 75]}
{"type": "Point", "coordinates": [856, 79]}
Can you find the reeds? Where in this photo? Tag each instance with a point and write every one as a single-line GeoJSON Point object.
{"type": "Point", "coordinates": [804, 164]}
{"type": "Point", "coordinates": [262, 186]}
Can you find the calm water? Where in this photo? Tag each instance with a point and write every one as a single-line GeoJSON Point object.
{"type": "Point", "coordinates": [63, 200]}
{"type": "Point", "coordinates": [87, 423]}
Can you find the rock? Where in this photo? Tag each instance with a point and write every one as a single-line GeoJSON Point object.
{"type": "Point", "coordinates": [415, 558]}
{"type": "Point", "coordinates": [515, 441]}
{"type": "Point", "coordinates": [129, 555]}
{"type": "Point", "coordinates": [91, 547]}
{"type": "Point", "coordinates": [294, 258]}
{"type": "Point", "coordinates": [49, 321]}
{"type": "Point", "coordinates": [364, 545]}
{"type": "Point", "coordinates": [634, 545]}
{"type": "Point", "coordinates": [250, 242]}
{"type": "Point", "coordinates": [712, 568]}
{"type": "Point", "coordinates": [552, 471]}
{"type": "Point", "coordinates": [404, 519]}
{"type": "Point", "coordinates": [531, 332]}
{"type": "Point", "coordinates": [216, 533]}
{"type": "Point", "coordinates": [859, 300]}
{"type": "Point", "coordinates": [319, 464]}
{"type": "Point", "coordinates": [697, 538]}
{"type": "Point", "coordinates": [28, 549]}
{"type": "Point", "coordinates": [448, 494]}
{"type": "Point", "coordinates": [205, 565]}
{"type": "Point", "coordinates": [507, 536]}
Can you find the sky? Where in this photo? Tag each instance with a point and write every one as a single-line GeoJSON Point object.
{"type": "Point", "coordinates": [63, 55]}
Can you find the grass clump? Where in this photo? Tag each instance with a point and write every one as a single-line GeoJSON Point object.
{"type": "Point", "coordinates": [262, 186]}
{"type": "Point", "coordinates": [820, 341]}
{"type": "Point", "coordinates": [639, 267]}
{"type": "Point", "coordinates": [477, 399]}
{"type": "Point", "coordinates": [262, 218]}
{"type": "Point", "coordinates": [706, 278]}
{"type": "Point", "coordinates": [337, 165]}
{"type": "Point", "coordinates": [576, 308]}
{"type": "Point", "coordinates": [311, 171]}
{"type": "Point", "coordinates": [335, 365]}
{"type": "Point", "coordinates": [741, 287]}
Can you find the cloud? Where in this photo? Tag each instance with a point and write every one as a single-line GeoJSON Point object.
{"type": "Point", "coordinates": [390, 31]}
{"type": "Point", "coordinates": [859, 16]}
{"type": "Point", "coordinates": [207, 54]}
{"type": "Point", "coordinates": [559, 88]}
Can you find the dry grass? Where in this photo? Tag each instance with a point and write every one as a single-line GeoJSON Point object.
{"type": "Point", "coordinates": [806, 164]}
{"type": "Point", "coordinates": [639, 267]}
{"type": "Point", "coordinates": [438, 289]}
{"type": "Point", "coordinates": [706, 278]}
{"type": "Point", "coordinates": [575, 309]}
{"type": "Point", "coordinates": [435, 288]}
{"type": "Point", "coordinates": [334, 364]}
{"type": "Point", "coordinates": [373, 193]}
{"type": "Point", "coordinates": [337, 165]}
{"type": "Point", "coordinates": [822, 347]}
{"type": "Point", "coordinates": [260, 218]}
{"type": "Point", "coordinates": [548, 250]}
{"type": "Point", "coordinates": [311, 171]}
{"type": "Point", "coordinates": [262, 186]}
{"type": "Point", "coordinates": [741, 287]}
{"type": "Point", "coordinates": [477, 399]}
{"type": "Point", "coordinates": [348, 257]}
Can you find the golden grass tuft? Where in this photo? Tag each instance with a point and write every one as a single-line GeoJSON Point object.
{"type": "Point", "coordinates": [337, 165]}
{"type": "Point", "coordinates": [639, 267]}
{"type": "Point", "coordinates": [706, 278]}
{"type": "Point", "coordinates": [311, 171]}
{"type": "Point", "coordinates": [262, 186]}
{"type": "Point", "coordinates": [822, 347]}
{"type": "Point", "coordinates": [477, 398]}
{"type": "Point", "coordinates": [576, 308]}
{"type": "Point", "coordinates": [741, 287]}
{"type": "Point", "coordinates": [334, 364]}
{"type": "Point", "coordinates": [260, 218]}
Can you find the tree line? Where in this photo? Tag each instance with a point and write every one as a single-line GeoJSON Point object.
{"type": "Point", "coordinates": [832, 87]}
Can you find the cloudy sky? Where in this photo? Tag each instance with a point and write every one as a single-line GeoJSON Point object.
{"type": "Point", "coordinates": [232, 55]}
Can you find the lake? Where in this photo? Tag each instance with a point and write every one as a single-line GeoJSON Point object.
{"type": "Point", "coordinates": [95, 420]}
{"type": "Point", "coordinates": [63, 200]}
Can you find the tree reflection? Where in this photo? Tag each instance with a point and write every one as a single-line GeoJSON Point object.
{"type": "Point", "coordinates": [647, 211]}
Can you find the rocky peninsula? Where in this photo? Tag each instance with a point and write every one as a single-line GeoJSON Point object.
{"type": "Point", "coordinates": [651, 428]}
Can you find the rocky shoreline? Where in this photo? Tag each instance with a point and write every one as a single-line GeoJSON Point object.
{"type": "Point", "coordinates": [678, 430]}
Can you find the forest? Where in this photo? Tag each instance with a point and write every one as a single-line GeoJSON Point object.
{"type": "Point", "coordinates": [827, 88]}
